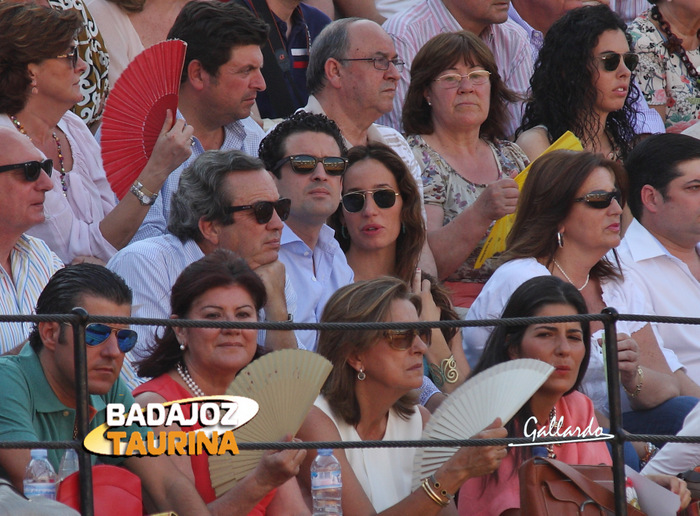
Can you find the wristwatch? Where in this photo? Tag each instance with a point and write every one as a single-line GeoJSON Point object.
{"type": "Point", "coordinates": [145, 196]}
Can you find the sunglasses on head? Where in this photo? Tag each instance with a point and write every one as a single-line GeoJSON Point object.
{"type": "Point", "coordinates": [611, 60]}
{"type": "Point", "coordinates": [263, 209]}
{"type": "Point", "coordinates": [601, 199]}
{"type": "Point", "coordinates": [401, 340]}
{"type": "Point", "coordinates": [384, 198]}
{"type": "Point", "coordinates": [305, 164]}
{"type": "Point", "coordinates": [97, 333]}
{"type": "Point", "coordinates": [32, 169]}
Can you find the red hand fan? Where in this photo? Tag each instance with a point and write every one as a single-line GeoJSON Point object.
{"type": "Point", "coordinates": [136, 109]}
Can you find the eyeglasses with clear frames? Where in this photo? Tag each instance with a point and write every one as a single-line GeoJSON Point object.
{"type": "Point", "coordinates": [72, 55]}
{"type": "Point", "coordinates": [380, 63]}
{"type": "Point", "coordinates": [453, 80]}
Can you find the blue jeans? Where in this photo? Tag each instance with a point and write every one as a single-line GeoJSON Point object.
{"type": "Point", "coordinates": [665, 419]}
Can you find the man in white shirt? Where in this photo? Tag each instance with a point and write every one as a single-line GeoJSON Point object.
{"type": "Point", "coordinates": [662, 245]}
{"type": "Point", "coordinates": [352, 79]}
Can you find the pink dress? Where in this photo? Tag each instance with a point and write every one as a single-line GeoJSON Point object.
{"type": "Point", "coordinates": [492, 498]}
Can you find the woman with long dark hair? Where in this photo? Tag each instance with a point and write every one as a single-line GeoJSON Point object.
{"type": "Point", "coordinates": [583, 83]}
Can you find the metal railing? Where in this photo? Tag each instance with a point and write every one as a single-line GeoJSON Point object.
{"type": "Point", "coordinates": [79, 318]}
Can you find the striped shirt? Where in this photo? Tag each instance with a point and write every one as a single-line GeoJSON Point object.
{"type": "Point", "coordinates": [244, 135]}
{"type": "Point", "coordinates": [33, 264]}
{"type": "Point", "coordinates": [629, 9]}
{"type": "Point", "coordinates": [412, 28]}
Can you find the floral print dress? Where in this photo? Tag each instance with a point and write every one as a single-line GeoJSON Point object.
{"type": "Point", "coordinates": [663, 78]}
{"type": "Point", "coordinates": [445, 187]}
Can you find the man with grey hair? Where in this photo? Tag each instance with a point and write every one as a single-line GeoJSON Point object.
{"type": "Point", "coordinates": [224, 200]}
{"type": "Point", "coordinates": [352, 76]}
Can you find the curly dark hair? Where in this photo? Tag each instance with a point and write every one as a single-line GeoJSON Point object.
{"type": "Point", "coordinates": [222, 268]}
{"type": "Point", "coordinates": [30, 34]}
{"type": "Point", "coordinates": [272, 147]}
{"type": "Point", "coordinates": [562, 91]}
{"type": "Point", "coordinates": [436, 56]}
{"type": "Point", "coordinates": [547, 198]}
{"type": "Point", "coordinates": [212, 29]}
{"type": "Point", "coordinates": [410, 241]}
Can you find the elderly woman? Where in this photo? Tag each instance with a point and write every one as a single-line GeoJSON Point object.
{"type": "Point", "coordinates": [583, 83]}
{"type": "Point", "coordinates": [189, 362]}
{"type": "Point", "coordinates": [455, 115]}
{"type": "Point", "coordinates": [369, 396]}
{"type": "Point", "coordinates": [568, 219]}
{"type": "Point", "coordinates": [40, 71]}
{"type": "Point", "coordinates": [565, 346]}
{"type": "Point", "coordinates": [381, 230]}
{"type": "Point", "coordinates": [667, 40]}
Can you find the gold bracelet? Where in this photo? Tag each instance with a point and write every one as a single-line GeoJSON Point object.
{"type": "Point", "coordinates": [438, 486]}
{"type": "Point", "coordinates": [425, 484]}
{"type": "Point", "coordinates": [638, 387]}
{"type": "Point", "coordinates": [446, 372]}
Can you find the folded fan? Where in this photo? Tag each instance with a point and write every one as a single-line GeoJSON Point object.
{"type": "Point", "coordinates": [500, 391]}
{"type": "Point", "coordinates": [135, 111]}
{"type": "Point", "coordinates": [496, 241]}
{"type": "Point", "coordinates": [285, 384]}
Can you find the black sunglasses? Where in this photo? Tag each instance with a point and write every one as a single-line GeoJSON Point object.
{"type": "Point", "coordinates": [611, 60]}
{"type": "Point", "coordinates": [97, 333]}
{"type": "Point", "coordinates": [305, 164]}
{"type": "Point", "coordinates": [32, 169]}
{"type": "Point", "coordinates": [384, 198]}
{"type": "Point", "coordinates": [601, 199]}
{"type": "Point", "coordinates": [401, 340]}
{"type": "Point", "coordinates": [263, 209]}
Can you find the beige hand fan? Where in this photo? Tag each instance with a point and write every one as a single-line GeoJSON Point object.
{"type": "Point", "coordinates": [500, 391]}
{"type": "Point", "coordinates": [136, 109]}
{"type": "Point", "coordinates": [285, 384]}
{"type": "Point", "coordinates": [496, 241]}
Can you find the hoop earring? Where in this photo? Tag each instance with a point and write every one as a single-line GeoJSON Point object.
{"type": "Point", "coordinates": [34, 88]}
{"type": "Point", "coordinates": [560, 239]}
{"type": "Point", "coordinates": [361, 375]}
{"type": "Point", "coordinates": [344, 233]}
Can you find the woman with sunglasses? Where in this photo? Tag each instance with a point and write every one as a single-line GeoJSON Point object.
{"type": "Point", "coordinates": [380, 228]}
{"type": "Point", "coordinates": [583, 83]}
{"type": "Point", "coordinates": [455, 115]}
{"type": "Point", "coordinates": [567, 222]}
{"type": "Point", "coordinates": [40, 70]}
{"type": "Point", "coordinates": [370, 395]}
{"type": "Point", "coordinates": [667, 39]}
{"type": "Point", "coordinates": [189, 362]}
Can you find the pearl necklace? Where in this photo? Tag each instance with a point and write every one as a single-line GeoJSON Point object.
{"type": "Point", "coordinates": [21, 129]}
{"type": "Point", "coordinates": [588, 277]}
{"type": "Point", "coordinates": [191, 384]}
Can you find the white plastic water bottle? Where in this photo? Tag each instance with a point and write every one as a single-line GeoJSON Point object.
{"type": "Point", "coordinates": [40, 477]}
{"type": "Point", "coordinates": [69, 464]}
{"type": "Point", "coordinates": [326, 484]}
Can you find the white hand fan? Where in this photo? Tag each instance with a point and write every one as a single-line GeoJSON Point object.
{"type": "Point", "coordinates": [500, 391]}
{"type": "Point", "coordinates": [135, 111]}
{"type": "Point", "coordinates": [285, 384]}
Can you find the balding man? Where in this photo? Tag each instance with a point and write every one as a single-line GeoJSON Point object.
{"type": "Point", "coordinates": [26, 263]}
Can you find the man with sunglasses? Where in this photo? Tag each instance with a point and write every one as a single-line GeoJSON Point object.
{"type": "Point", "coordinates": [352, 79]}
{"type": "Point", "coordinates": [306, 156]}
{"type": "Point", "coordinates": [224, 200]}
{"type": "Point", "coordinates": [26, 263]}
{"type": "Point", "coordinates": [38, 385]}
{"type": "Point", "coordinates": [221, 78]}
{"type": "Point", "coordinates": [661, 247]}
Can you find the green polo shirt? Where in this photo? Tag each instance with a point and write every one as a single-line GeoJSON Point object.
{"type": "Point", "coordinates": [30, 411]}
